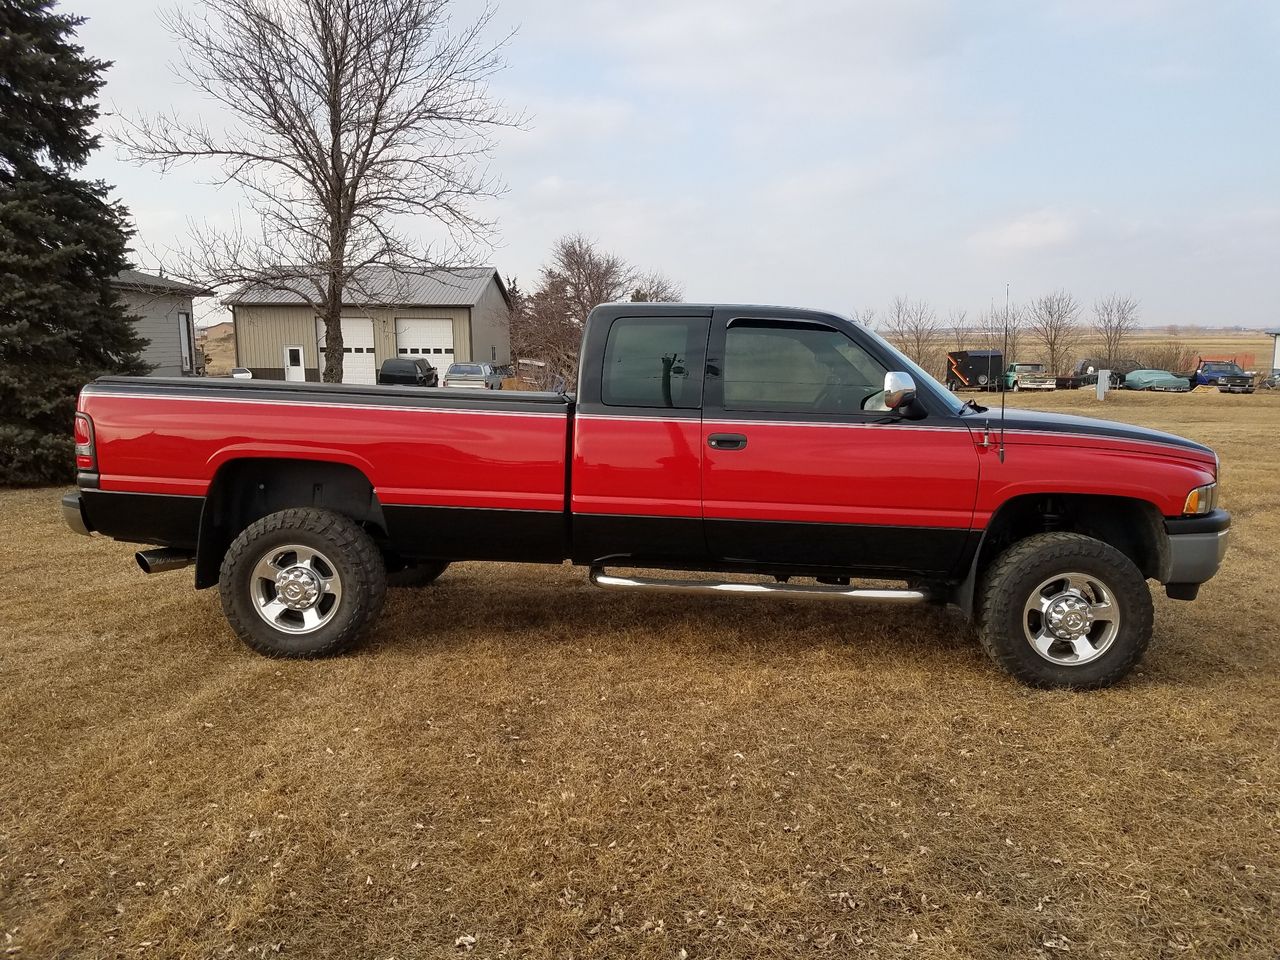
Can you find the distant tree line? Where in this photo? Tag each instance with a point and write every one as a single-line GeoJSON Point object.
{"type": "Point", "coordinates": [1054, 329]}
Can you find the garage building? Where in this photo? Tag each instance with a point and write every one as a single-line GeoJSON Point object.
{"type": "Point", "coordinates": [444, 316]}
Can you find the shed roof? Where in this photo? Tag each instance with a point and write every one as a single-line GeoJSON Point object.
{"type": "Point", "coordinates": [151, 283]}
{"type": "Point", "coordinates": [383, 286]}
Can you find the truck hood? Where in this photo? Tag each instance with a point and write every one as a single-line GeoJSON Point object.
{"type": "Point", "coordinates": [1086, 431]}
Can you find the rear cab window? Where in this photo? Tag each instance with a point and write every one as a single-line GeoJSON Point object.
{"type": "Point", "coordinates": [654, 362]}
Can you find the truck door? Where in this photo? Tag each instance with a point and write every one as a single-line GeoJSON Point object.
{"type": "Point", "coordinates": [796, 471]}
{"type": "Point", "coordinates": [636, 478]}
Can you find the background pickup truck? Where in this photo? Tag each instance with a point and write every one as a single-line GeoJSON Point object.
{"type": "Point", "coordinates": [792, 445]}
{"type": "Point", "coordinates": [1226, 375]}
{"type": "Point", "coordinates": [1028, 376]}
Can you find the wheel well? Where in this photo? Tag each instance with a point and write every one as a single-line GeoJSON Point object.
{"type": "Point", "coordinates": [245, 490]}
{"type": "Point", "coordinates": [1134, 527]}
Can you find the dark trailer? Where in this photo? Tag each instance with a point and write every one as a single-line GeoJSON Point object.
{"type": "Point", "coordinates": [974, 369]}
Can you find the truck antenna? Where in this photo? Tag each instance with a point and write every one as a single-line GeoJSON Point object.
{"type": "Point", "coordinates": [1003, 389]}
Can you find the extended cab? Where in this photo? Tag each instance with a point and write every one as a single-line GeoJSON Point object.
{"type": "Point", "coordinates": [794, 445]}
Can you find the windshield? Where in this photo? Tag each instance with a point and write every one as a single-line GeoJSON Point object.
{"type": "Point", "coordinates": [1029, 367]}
{"type": "Point", "coordinates": [904, 363]}
{"type": "Point", "coordinates": [1222, 368]}
{"type": "Point", "coordinates": [464, 369]}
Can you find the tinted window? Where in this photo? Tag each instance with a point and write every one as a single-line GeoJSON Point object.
{"type": "Point", "coordinates": [465, 368]}
{"type": "Point", "coordinates": [796, 368]}
{"type": "Point", "coordinates": [654, 362]}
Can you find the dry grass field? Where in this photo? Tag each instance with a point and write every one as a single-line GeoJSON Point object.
{"type": "Point", "coordinates": [518, 766]}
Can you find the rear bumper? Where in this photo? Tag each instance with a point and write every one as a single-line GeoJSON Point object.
{"type": "Point", "coordinates": [1196, 547]}
{"type": "Point", "coordinates": [73, 514]}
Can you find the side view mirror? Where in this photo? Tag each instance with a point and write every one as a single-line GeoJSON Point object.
{"type": "Point", "coordinates": [899, 389]}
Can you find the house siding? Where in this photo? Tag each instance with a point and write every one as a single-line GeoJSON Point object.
{"type": "Point", "coordinates": [156, 321]}
{"type": "Point", "coordinates": [491, 326]}
{"type": "Point", "coordinates": [262, 333]}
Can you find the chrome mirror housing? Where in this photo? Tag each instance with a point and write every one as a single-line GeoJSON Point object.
{"type": "Point", "coordinates": [899, 389]}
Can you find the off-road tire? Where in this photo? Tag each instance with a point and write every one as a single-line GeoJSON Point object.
{"type": "Point", "coordinates": [357, 562]}
{"type": "Point", "coordinates": [1009, 583]}
{"type": "Point", "coordinates": [420, 574]}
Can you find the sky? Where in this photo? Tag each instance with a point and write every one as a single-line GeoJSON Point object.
{"type": "Point", "coordinates": [840, 153]}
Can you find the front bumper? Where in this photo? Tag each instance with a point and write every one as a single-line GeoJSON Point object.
{"type": "Point", "coordinates": [1196, 547]}
{"type": "Point", "coordinates": [73, 513]}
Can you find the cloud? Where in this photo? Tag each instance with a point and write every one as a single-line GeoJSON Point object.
{"type": "Point", "coordinates": [1031, 232]}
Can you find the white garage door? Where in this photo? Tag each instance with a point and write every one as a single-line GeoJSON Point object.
{"type": "Point", "coordinates": [358, 362]}
{"type": "Point", "coordinates": [429, 338]}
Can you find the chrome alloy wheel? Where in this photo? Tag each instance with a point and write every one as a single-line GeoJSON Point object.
{"type": "Point", "coordinates": [295, 589]}
{"type": "Point", "coordinates": [1071, 619]}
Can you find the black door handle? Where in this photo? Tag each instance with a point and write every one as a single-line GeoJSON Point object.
{"type": "Point", "coordinates": [726, 441]}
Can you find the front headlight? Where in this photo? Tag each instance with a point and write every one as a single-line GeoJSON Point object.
{"type": "Point", "coordinates": [1201, 500]}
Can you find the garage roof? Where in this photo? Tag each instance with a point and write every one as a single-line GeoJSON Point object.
{"type": "Point", "coordinates": [384, 287]}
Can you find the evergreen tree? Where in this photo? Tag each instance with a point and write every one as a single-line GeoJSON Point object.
{"type": "Point", "coordinates": [61, 241]}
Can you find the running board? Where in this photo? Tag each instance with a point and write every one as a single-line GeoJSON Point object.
{"type": "Point", "coordinates": [819, 591]}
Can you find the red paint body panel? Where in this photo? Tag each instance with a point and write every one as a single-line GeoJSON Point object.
{"type": "Point", "coordinates": [634, 466]}
{"type": "Point", "coordinates": [909, 475]}
{"type": "Point", "coordinates": [457, 458]}
{"type": "Point", "coordinates": [1039, 462]}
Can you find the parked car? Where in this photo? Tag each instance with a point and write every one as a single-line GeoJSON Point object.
{"type": "Point", "coordinates": [1159, 380]}
{"type": "Point", "coordinates": [1226, 375]}
{"type": "Point", "coordinates": [974, 369]}
{"type": "Point", "coordinates": [474, 376]}
{"type": "Point", "coordinates": [1028, 376]}
{"type": "Point", "coordinates": [1087, 370]}
{"type": "Point", "coordinates": [810, 452]}
{"type": "Point", "coordinates": [241, 373]}
{"type": "Point", "coordinates": [408, 371]}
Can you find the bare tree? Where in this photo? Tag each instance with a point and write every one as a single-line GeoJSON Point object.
{"type": "Point", "coordinates": [344, 118]}
{"type": "Point", "coordinates": [1001, 329]}
{"type": "Point", "coordinates": [866, 316]}
{"type": "Point", "coordinates": [1054, 323]}
{"type": "Point", "coordinates": [958, 321]}
{"type": "Point", "coordinates": [656, 287]}
{"type": "Point", "coordinates": [578, 277]}
{"type": "Point", "coordinates": [1115, 318]}
{"type": "Point", "coordinates": [913, 326]}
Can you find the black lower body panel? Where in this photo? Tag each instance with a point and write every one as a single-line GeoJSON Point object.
{"type": "Point", "coordinates": [652, 540]}
{"type": "Point", "coordinates": [470, 533]}
{"type": "Point", "coordinates": [165, 519]}
{"type": "Point", "coordinates": [931, 551]}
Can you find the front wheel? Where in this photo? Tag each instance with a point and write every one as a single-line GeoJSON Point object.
{"type": "Point", "coordinates": [1065, 610]}
{"type": "Point", "coordinates": [302, 583]}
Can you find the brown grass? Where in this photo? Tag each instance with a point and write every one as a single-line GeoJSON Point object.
{"type": "Point", "coordinates": [554, 771]}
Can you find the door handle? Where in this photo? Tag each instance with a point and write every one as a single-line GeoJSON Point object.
{"type": "Point", "coordinates": [726, 441]}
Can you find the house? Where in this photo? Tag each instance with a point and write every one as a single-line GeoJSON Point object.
{"type": "Point", "coordinates": [445, 316]}
{"type": "Point", "coordinates": [161, 312]}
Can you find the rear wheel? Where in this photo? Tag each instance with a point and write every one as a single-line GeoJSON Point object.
{"type": "Point", "coordinates": [302, 583]}
{"type": "Point", "coordinates": [1065, 610]}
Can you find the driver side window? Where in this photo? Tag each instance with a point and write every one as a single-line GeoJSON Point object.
{"type": "Point", "coordinates": [799, 368]}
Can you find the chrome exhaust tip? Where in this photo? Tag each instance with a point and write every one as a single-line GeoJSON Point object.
{"type": "Point", "coordinates": [164, 559]}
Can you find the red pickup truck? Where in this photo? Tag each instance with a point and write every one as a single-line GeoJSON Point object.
{"type": "Point", "coordinates": [794, 445]}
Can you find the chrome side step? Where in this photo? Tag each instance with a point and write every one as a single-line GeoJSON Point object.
{"type": "Point", "coordinates": [819, 591]}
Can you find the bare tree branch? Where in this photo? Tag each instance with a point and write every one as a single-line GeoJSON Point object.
{"type": "Point", "coordinates": [914, 327]}
{"type": "Point", "coordinates": [547, 326]}
{"type": "Point", "coordinates": [1054, 322]}
{"type": "Point", "coordinates": [1115, 318]}
{"type": "Point", "coordinates": [343, 119]}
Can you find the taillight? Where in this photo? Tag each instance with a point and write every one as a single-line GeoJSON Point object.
{"type": "Point", "coordinates": [86, 458]}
